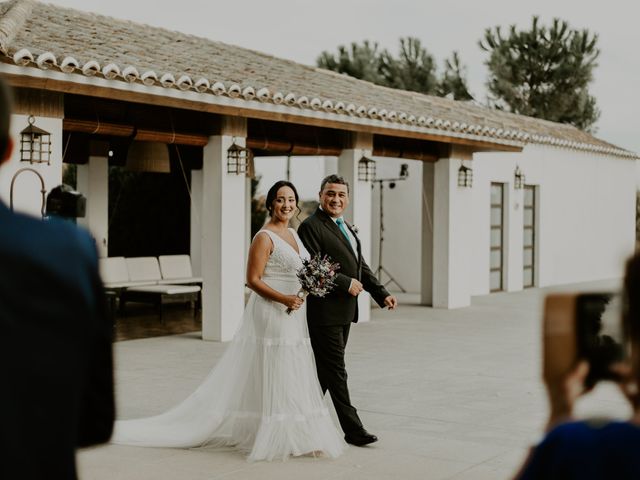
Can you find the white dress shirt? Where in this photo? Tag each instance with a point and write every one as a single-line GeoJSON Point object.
{"type": "Point", "coordinates": [352, 239]}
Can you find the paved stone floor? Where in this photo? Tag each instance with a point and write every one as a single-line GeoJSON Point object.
{"type": "Point", "coordinates": [452, 394]}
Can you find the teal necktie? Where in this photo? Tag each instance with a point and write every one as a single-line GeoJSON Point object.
{"type": "Point", "coordinates": [343, 229]}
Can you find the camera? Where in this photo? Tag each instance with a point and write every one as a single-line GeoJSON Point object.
{"type": "Point", "coordinates": [64, 201]}
{"type": "Point", "coordinates": [583, 326]}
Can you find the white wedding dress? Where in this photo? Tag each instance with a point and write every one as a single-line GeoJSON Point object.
{"type": "Point", "coordinates": [263, 396]}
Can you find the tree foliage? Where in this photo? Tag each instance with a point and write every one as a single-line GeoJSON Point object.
{"type": "Point", "coordinates": [543, 72]}
{"type": "Point", "coordinates": [454, 80]}
{"type": "Point", "coordinates": [359, 61]}
{"type": "Point", "coordinates": [414, 68]}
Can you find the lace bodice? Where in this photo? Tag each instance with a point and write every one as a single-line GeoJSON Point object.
{"type": "Point", "coordinates": [284, 260]}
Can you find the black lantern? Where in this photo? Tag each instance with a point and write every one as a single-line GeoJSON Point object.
{"type": "Point", "coordinates": [518, 181]}
{"type": "Point", "coordinates": [366, 169]}
{"type": "Point", "coordinates": [465, 176]}
{"type": "Point", "coordinates": [239, 159]}
{"type": "Point", "coordinates": [35, 144]}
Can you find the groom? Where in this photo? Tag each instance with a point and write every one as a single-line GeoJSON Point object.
{"type": "Point", "coordinates": [330, 317]}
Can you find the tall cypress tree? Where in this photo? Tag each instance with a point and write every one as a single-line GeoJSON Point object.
{"type": "Point", "coordinates": [543, 72]}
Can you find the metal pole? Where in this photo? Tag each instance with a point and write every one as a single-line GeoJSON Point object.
{"type": "Point", "coordinates": [288, 168]}
{"type": "Point", "coordinates": [381, 268]}
{"type": "Point", "coordinates": [381, 239]}
{"type": "Point", "coordinates": [43, 190]}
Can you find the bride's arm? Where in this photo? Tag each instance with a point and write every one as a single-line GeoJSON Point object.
{"type": "Point", "coordinates": [259, 253]}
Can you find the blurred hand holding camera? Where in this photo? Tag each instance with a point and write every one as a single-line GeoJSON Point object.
{"type": "Point", "coordinates": [628, 383]}
{"type": "Point", "coordinates": [564, 392]}
{"type": "Point", "coordinates": [590, 337]}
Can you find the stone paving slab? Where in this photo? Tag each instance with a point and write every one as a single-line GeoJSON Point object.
{"type": "Point", "coordinates": [452, 394]}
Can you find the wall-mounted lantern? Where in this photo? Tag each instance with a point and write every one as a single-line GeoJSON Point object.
{"type": "Point", "coordinates": [366, 169]}
{"type": "Point", "coordinates": [239, 159]}
{"type": "Point", "coordinates": [518, 180]}
{"type": "Point", "coordinates": [465, 176]}
{"type": "Point", "coordinates": [35, 144]}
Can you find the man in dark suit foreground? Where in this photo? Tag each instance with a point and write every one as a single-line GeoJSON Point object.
{"type": "Point", "coordinates": [55, 350]}
{"type": "Point", "coordinates": [330, 317]}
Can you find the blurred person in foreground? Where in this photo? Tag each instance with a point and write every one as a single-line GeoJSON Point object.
{"type": "Point", "coordinates": [594, 449]}
{"type": "Point", "coordinates": [55, 350]}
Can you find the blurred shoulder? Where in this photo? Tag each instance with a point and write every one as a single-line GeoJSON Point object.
{"type": "Point", "coordinates": [63, 238]}
{"type": "Point", "coordinates": [586, 431]}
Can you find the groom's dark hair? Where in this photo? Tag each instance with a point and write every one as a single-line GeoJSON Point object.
{"type": "Point", "coordinates": [333, 178]}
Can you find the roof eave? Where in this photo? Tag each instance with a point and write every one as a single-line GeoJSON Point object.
{"type": "Point", "coordinates": [157, 95]}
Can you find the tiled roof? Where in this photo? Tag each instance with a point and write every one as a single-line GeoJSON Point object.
{"type": "Point", "coordinates": [37, 35]}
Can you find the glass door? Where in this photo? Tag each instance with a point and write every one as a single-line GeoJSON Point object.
{"type": "Point", "coordinates": [528, 240]}
{"type": "Point", "coordinates": [497, 235]}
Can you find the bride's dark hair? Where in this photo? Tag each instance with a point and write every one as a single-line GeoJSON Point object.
{"type": "Point", "coordinates": [273, 191]}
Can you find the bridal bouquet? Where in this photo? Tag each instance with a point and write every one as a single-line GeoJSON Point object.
{"type": "Point", "coordinates": [317, 276]}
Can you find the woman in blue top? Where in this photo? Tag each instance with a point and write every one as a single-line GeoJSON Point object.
{"type": "Point", "coordinates": [595, 449]}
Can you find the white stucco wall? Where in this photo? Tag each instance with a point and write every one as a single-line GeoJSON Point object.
{"type": "Point", "coordinates": [26, 191]}
{"type": "Point", "coordinates": [585, 211]}
{"type": "Point", "coordinates": [402, 222]}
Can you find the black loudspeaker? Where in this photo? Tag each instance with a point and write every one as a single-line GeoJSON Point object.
{"type": "Point", "coordinates": [64, 201]}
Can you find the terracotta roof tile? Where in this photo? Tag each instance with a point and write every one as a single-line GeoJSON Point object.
{"type": "Point", "coordinates": [29, 29]}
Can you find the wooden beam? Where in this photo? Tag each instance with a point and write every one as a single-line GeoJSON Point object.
{"type": "Point", "coordinates": [55, 85]}
{"type": "Point", "coordinates": [94, 127]}
{"type": "Point", "coordinates": [270, 146]}
{"type": "Point", "coordinates": [358, 141]}
{"type": "Point", "coordinates": [38, 103]}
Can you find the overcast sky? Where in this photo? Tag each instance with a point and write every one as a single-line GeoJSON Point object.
{"type": "Point", "coordinates": [300, 29]}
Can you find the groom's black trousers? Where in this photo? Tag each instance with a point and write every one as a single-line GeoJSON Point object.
{"type": "Point", "coordinates": [328, 343]}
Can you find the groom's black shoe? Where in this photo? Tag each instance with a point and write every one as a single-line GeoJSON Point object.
{"type": "Point", "coordinates": [361, 438]}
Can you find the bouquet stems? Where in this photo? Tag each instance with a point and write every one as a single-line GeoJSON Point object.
{"type": "Point", "coordinates": [302, 293]}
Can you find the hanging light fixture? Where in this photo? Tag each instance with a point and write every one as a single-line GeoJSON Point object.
{"type": "Point", "coordinates": [465, 176]}
{"type": "Point", "coordinates": [366, 169]}
{"type": "Point", "coordinates": [35, 144]}
{"type": "Point", "coordinates": [239, 159]}
{"type": "Point", "coordinates": [148, 157]}
{"type": "Point", "coordinates": [518, 181]}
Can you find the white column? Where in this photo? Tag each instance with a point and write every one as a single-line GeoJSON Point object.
{"type": "Point", "coordinates": [196, 222]}
{"type": "Point", "coordinates": [359, 212]}
{"type": "Point", "coordinates": [223, 242]}
{"type": "Point", "coordinates": [93, 183]}
{"type": "Point", "coordinates": [426, 277]}
{"type": "Point", "coordinates": [452, 234]}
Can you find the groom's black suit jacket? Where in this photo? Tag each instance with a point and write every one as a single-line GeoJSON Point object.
{"type": "Point", "coordinates": [320, 234]}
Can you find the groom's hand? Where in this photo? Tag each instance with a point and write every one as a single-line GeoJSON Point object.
{"type": "Point", "coordinates": [356, 287]}
{"type": "Point", "coordinates": [391, 302]}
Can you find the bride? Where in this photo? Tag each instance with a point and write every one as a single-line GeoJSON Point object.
{"type": "Point", "coordinates": [263, 396]}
